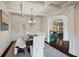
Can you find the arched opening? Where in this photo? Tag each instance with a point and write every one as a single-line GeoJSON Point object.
{"type": "Point", "coordinates": [58, 32]}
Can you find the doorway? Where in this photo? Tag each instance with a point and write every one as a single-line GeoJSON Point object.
{"type": "Point", "coordinates": [58, 33]}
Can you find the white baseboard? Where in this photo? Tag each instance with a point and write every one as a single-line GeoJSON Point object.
{"type": "Point", "coordinates": [76, 53]}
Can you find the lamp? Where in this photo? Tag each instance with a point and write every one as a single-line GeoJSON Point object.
{"type": "Point", "coordinates": [31, 21]}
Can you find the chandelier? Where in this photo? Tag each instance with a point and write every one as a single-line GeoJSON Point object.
{"type": "Point", "coordinates": [31, 21]}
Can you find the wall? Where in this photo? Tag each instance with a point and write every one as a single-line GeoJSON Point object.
{"type": "Point", "coordinates": [74, 29]}
{"type": "Point", "coordinates": [76, 41]}
{"type": "Point", "coordinates": [4, 35]}
{"type": "Point", "coordinates": [17, 28]}
{"type": "Point", "coordinates": [71, 28]}
{"type": "Point", "coordinates": [45, 27]}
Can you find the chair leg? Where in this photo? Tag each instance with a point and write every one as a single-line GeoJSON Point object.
{"type": "Point", "coordinates": [21, 50]}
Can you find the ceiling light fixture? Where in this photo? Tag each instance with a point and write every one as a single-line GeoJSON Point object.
{"type": "Point", "coordinates": [31, 21]}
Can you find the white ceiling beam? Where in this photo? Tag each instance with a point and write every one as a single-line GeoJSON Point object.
{"type": "Point", "coordinates": [69, 4]}
{"type": "Point", "coordinates": [18, 12]}
{"type": "Point", "coordinates": [47, 3]}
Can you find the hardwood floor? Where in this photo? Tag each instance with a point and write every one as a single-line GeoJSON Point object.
{"type": "Point", "coordinates": [49, 51]}
{"type": "Point", "coordinates": [61, 49]}
{"type": "Point", "coordinates": [64, 46]}
{"type": "Point", "coordinates": [6, 51]}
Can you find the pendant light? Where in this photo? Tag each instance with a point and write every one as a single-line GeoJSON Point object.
{"type": "Point", "coordinates": [31, 21]}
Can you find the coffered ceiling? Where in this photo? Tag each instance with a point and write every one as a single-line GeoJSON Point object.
{"type": "Point", "coordinates": [40, 8]}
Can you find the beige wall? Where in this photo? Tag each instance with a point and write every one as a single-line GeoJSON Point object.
{"type": "Point", "coordinates": [71, 29]}
{"type": "Point", "coordinates": [76, 41]}
{"type": "Point", "coordinates": [45, 26]}
{"type": "Point", "coordinates": [17, 28]}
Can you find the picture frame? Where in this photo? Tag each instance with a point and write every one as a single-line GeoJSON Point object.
{"type": "Point", "coordinates": [4, 21]}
